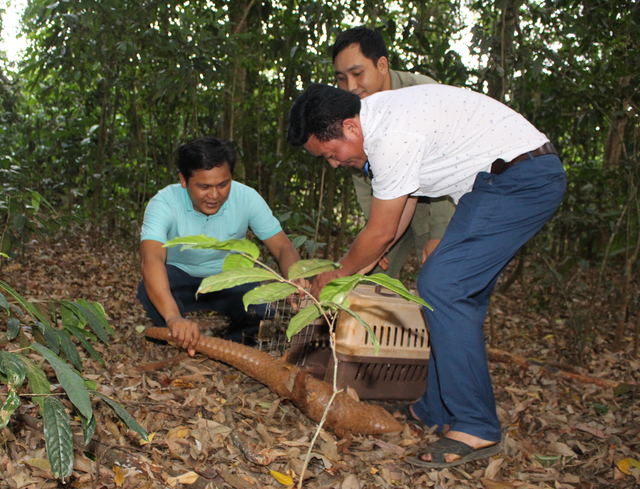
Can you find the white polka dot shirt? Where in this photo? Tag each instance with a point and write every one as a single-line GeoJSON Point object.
{"type": "Point", "coordinates": [434, 139]}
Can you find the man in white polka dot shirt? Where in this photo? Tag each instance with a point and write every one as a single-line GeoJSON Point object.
{"type": "Point", "coordinates": [507, 180]}
{"type": "Point", "coordinates": [361, 66]}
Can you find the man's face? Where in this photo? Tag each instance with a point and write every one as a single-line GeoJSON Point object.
{"type": "Point", "coordinates": [358, 74]}
{"type": "Point", "coordinates": [347, 151]}
{"type": "Point", "coordinates": [208, 189]}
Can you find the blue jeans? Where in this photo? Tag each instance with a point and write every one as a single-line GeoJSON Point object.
{"type": "Point", "coordinates": [490, 224]}
{"type": "Point", "coordinates": [227, 302]}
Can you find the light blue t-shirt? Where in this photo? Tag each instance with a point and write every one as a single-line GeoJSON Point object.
{"type": "Point", "coordinates": [170, 214]}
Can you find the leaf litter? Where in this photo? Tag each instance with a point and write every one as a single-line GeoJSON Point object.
{"type": "Point", "coordinates": [212, 426]}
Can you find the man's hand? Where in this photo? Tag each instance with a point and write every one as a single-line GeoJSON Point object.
{"type": "Point", "coordinates": [299, 295]}
{"type": "Point", "coordinates": [384, 263]}
{"type": "Point", "coordinates": [302, 282]}
{"type": "Point", "coordinates": [323, 279]}
{"type": "Point", "coordinates": [184, 333]}
{"type": "Point", "coordinates": [429, 248]}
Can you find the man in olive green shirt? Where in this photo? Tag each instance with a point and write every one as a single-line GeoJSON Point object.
{"type": "Point", "coordinates": [361, 65]}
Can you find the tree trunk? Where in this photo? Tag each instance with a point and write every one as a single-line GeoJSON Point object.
{"type": "Point", "coordinates": [103, 134]}
{"type": "Point", "coordinates": [615, 137]}
{"type": "Point", "coordinates": [502, 49]}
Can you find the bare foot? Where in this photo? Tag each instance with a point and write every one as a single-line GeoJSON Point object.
{"type": "Point", "coordinates": [472, 441]}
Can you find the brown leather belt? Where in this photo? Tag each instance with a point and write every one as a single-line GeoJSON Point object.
{"type": "Point", "coordinates": [500, 166]}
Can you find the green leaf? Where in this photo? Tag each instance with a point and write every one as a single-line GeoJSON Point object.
{"type": "Point", "coordinates": [3, 302]}
{"type": "Point", "coordinates": [88, 428]}
{"type": "Point", "coordinates": [339, 288]}
{"type": "Point", "coordinates": [13, 328]}
{"type": "Point", "coordinates": [68, 316]}
{"type": "Point", "coordinates": [58, 437]}
{"type": "Point", "coordinates": [268, 293]}
{"type": "Point", "coordinates": [204, 242]}
{"type": "Point", "coordinates": [94, 323]}
{"type": "Point", "coordinates": [24, 303]}
{"type": "Point", "coordinates": [79, 332]}
{"type": "Point", "coordinates": [622, 389]}
{"type": "Point", "coordinates": [36, 198]}
{"type": "Point", "coordinates": [298, 241]}
{"type": "Point", "coordinates": [98, 313]}
{"type": "Point", "coordinates": [232, 278]}
{"type": "Point", "coordinates": [124, 416]}
{"type": "Point", "coordinates": [11, 365]}
{"type": "Point", "coordinates": [309, 268]}
{"type": "Point", "coordinates": [38, 382]}
{"type": "Point", "coordinates": [69, 349]}
{"type": "Point", "coordinates": [72, 383]}
{"type": "Point", "coordinates": [234, 260]}
{"type": "Point", "coordinates": [305, 317]}
{"type": "Point", "coordinates": [52, 339]}
{"type": "Point", "coordinates": [13, 368]}
{"type": "Point", "coordinates": [396, 286]}
{"type": "Point", "coordinates": [82, 336]}
{"type": "Point", "coordinates": [11, 403]}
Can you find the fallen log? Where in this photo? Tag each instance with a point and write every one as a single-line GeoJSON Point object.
{"type": "Point", "coordinates": [501, 356]}
{"type": "Point", "coordinates": [307, 393]}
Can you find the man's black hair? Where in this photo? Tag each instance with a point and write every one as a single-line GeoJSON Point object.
{"type": "Point", "coordinates": [204, 154]}
{"type": "Point", "coordinates": [320, 111]}
{"type": "Point", "coordinates": [370, 41]}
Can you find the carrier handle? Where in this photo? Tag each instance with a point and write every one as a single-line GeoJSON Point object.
{"type": "Point", "coordinates": [388, 293]}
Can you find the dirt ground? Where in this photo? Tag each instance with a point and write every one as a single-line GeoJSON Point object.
{"type": "Point", "coordinates": [215, 425]}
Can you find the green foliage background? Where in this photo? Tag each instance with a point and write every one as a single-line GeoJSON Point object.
{"type": "Point", "coordinates": [92, 117]}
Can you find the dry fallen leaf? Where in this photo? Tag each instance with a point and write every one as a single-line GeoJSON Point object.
{"type": "Point", "coordinates": [188, 478]}
{"type": "Point", "coordinates": [594, 431]}
{"type": "Point", "coordinates": [178, 432]}
{"type": "Point", "coordinates": [119, 478]}
{"type": "Point", "coordinates": [561, 449]}
{"type": "Point", "coordinates": [493, 469]}
{"type": "Point", "coordinates": [150, 436]}
{"type": "Point", "coordinates": [491, 484]}
{"type": "Point", "coordinates": [40, 463]}
{"type": "Point", "coordinates": [268, 455]}
{"type": "Point", "coordinates": [113, 428]}
{"type": "Point", "coordinates": [285, 480]}
{"type": "Point", "coordinates": [625, 465]}
{"type": "Point", "coordinates": [540, 412]}
{"type": "Point", "coordinates": [351, 482]}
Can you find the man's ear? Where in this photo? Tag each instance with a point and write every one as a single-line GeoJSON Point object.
{"type": "Point", "coordinates": [183, 181]}
{"type": "Point", "coordinates": [383, 65]}
{"type": "Point", "coordinates": [352, 125]}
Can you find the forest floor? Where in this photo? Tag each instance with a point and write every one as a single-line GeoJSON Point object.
{"type": "Point", "coordinates": [557, 433]}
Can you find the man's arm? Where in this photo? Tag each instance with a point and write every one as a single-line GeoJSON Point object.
{"type": "Point", "coordinates": [371, 242]}
{"type": "Point", "coordinates": [283, 250]}
{"type": "Point", "coordinates": [156, 282]}
{"type": "Point", "coordinates": [405, 221]}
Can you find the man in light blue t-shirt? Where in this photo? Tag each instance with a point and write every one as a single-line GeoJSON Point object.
{"type": "Point", "coordinates": [206, 201]}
